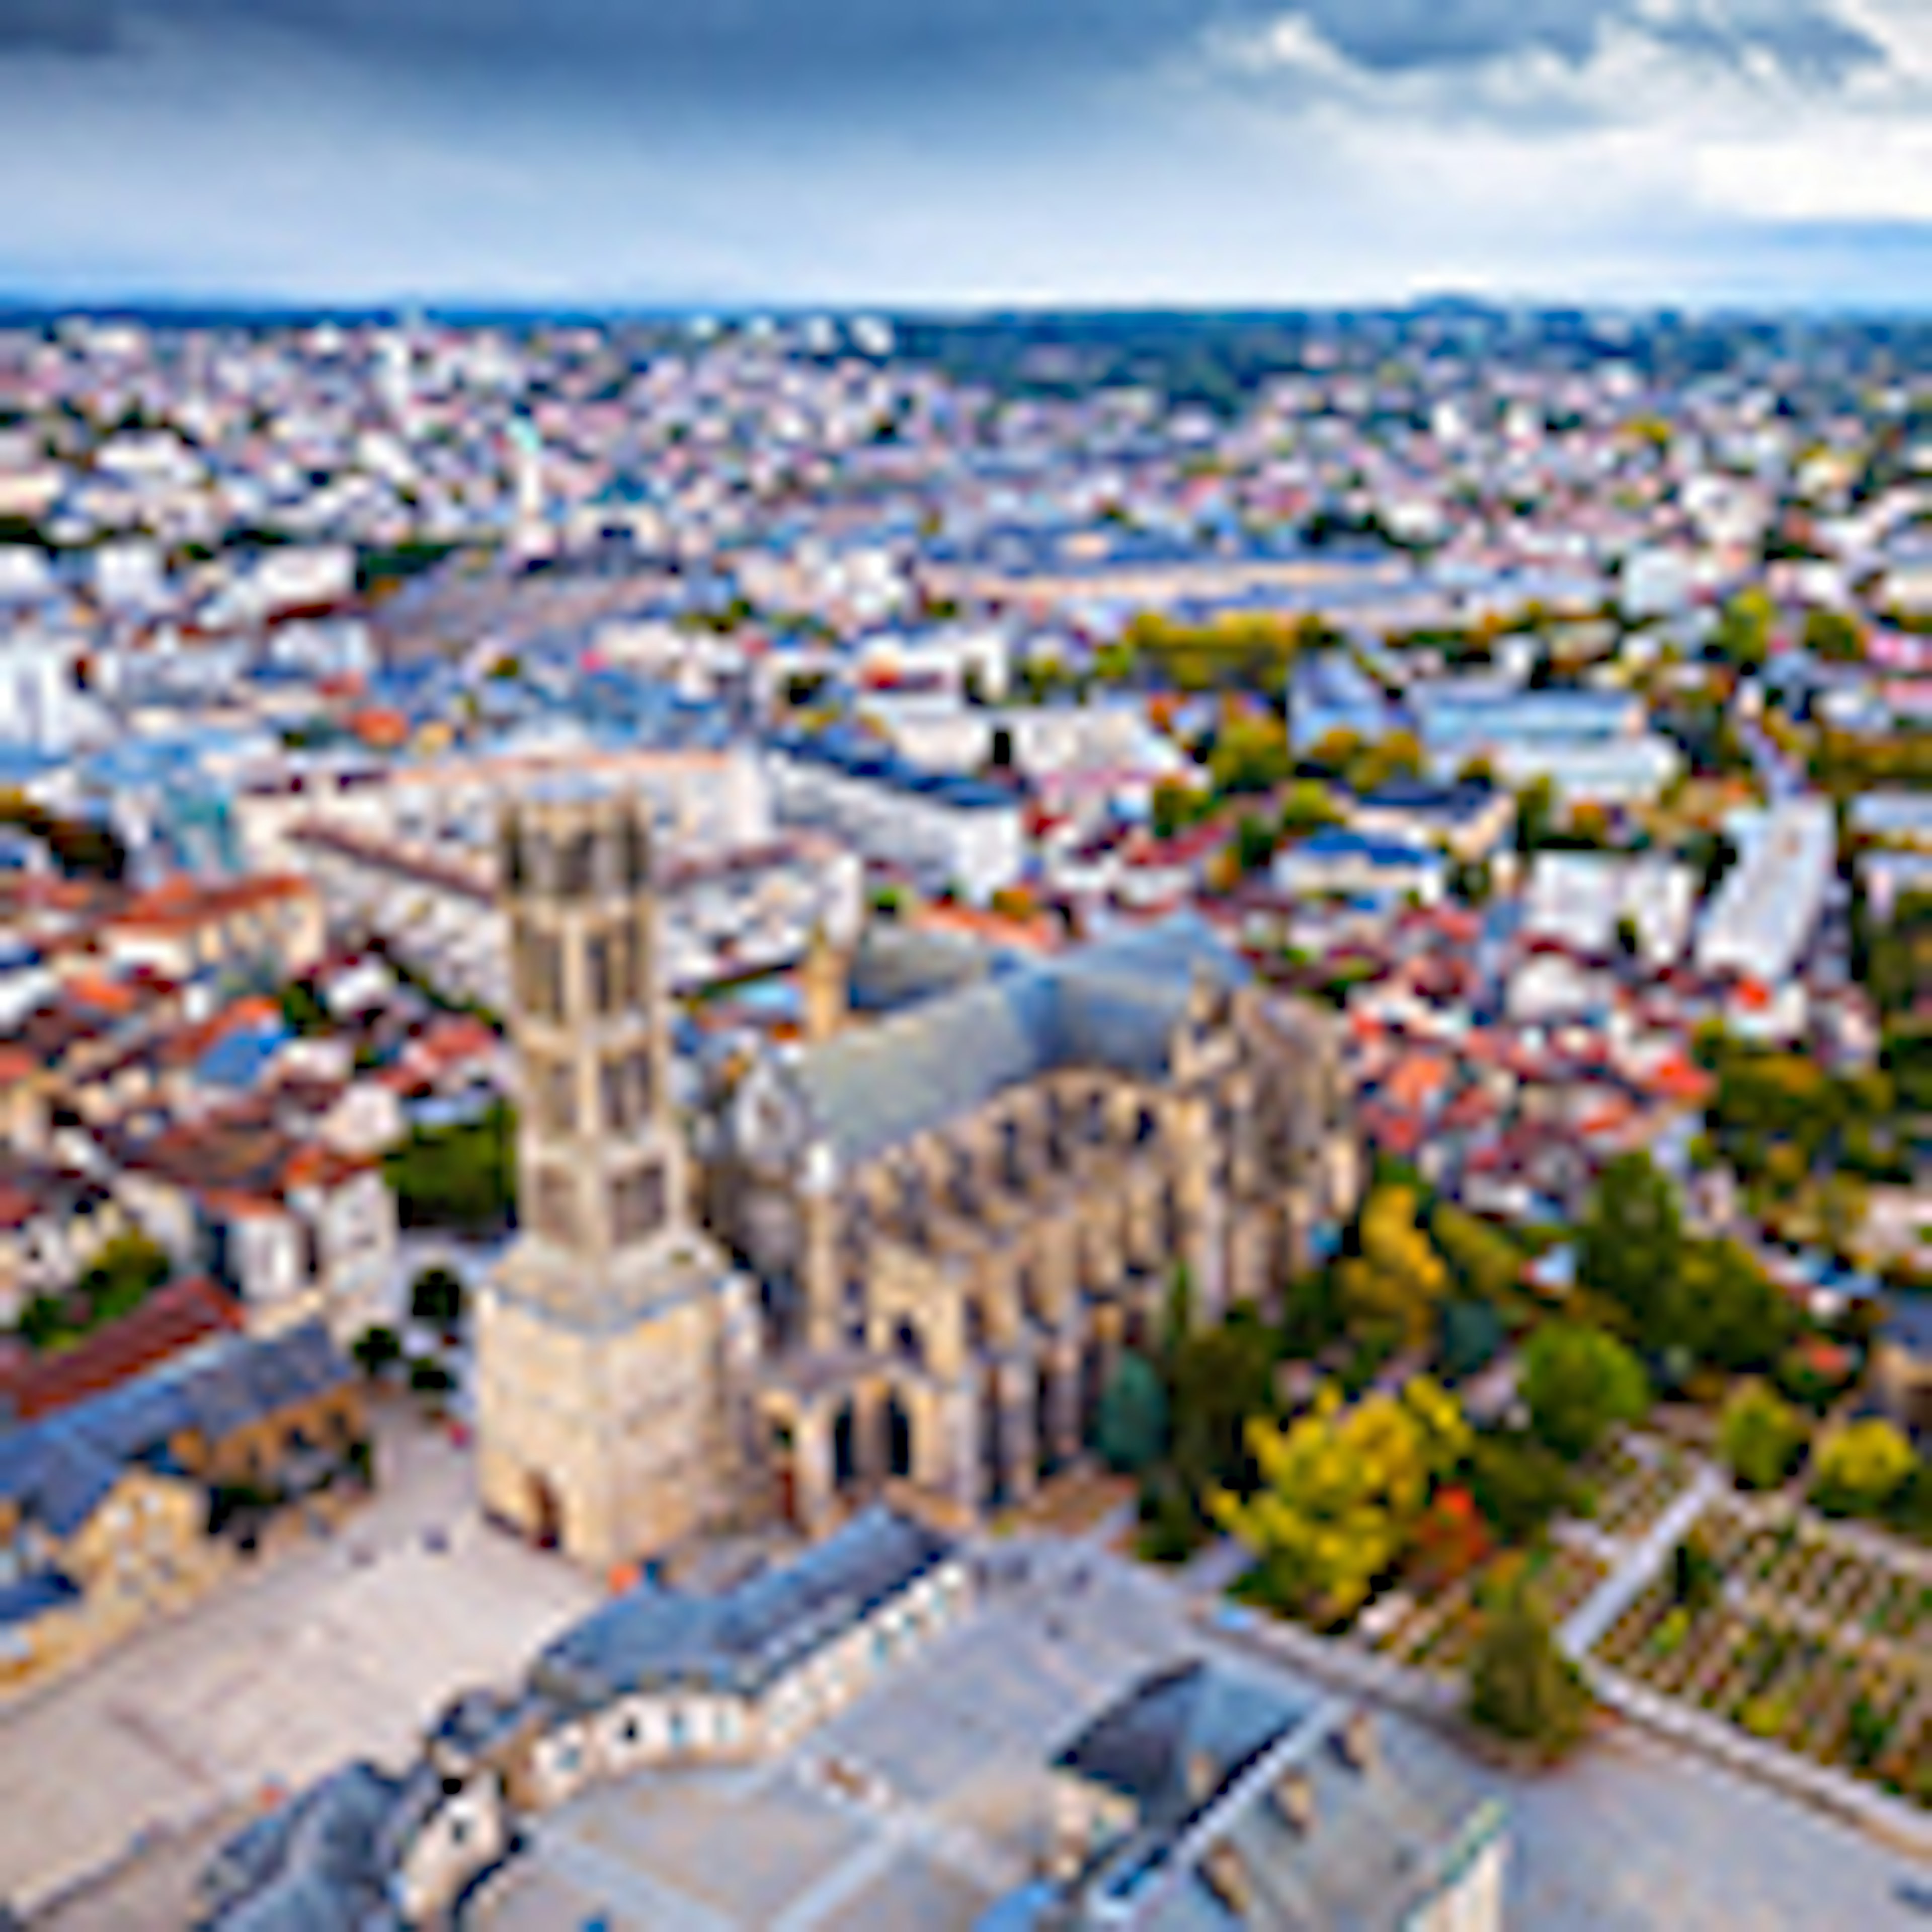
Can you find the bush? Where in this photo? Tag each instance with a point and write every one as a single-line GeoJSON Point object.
{"type": "Point", "coordinates": [1696, 1581]}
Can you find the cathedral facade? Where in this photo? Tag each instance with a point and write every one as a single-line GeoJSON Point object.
{"type": "Point", "coordinates": [909, 1253]}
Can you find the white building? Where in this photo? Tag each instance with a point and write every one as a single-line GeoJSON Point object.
{"type": "Point", "coordinates": [40, 702]}
{"type": "Point", "coordinates": [1769, 906]}
{"type": "Point", "coordinates": [945, 831]}
{"type": "Point", "coordinates": [1582, 898]}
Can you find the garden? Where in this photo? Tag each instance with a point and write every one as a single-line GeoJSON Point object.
{"type": "Point", "coordinates": [1798, 1634]}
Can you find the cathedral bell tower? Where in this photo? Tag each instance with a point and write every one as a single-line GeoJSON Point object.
{"type": "Point", "coordinates": [608, 1343]}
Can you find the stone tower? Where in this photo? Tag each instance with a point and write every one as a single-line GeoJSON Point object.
{"type": "Point", "coordinates": [612, 1340]}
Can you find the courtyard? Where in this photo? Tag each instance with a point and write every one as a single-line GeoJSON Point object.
{"type": "Point", "coordinates": [331, 1649]}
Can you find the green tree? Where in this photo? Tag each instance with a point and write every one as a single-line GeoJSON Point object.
{"type": "Point", "coordinates": [1857, 1469]}
{"type": "Point", "coordinates": [1579, 1383]}
{"type": "Point", "coordinates": [1835, 635]}
{"type": "Point", "coordinates": [461, 1177]}
{"type": "Point", "coordinates": [1535, 817]}
{"type": "Point", "coordinates": [1308, 807]}
{"type": "Point", "coordinates": [1521, 1685]}
{"type": "Point", "coordinates": [376, 1350]}
{"type": "Point", "coordinates": [1743, 635]}
{"type": "Point", "coordinates": [1630, 1244]}
{"type": "Point", "coordinates": [1760, 1436]}
{"type": "Point", "coordinates": [122, 1275]}
{"type": "Point", "coordinates": [437, 1297]}
{"type": "Point", "coordinates": [1130, 1432]}
{"type": "Point", "coordinates": [1519, 1484]}
{"type": "Point", "coordinates": [1486, 1260]}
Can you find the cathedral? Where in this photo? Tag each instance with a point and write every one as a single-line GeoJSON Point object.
{"type": "Point", "coordinates": [908, 1253]}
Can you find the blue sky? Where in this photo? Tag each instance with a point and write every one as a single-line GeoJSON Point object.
{"type": "Point", "coordinates": [967, 151]}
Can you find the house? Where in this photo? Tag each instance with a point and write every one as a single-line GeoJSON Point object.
{"type": "Point", "coordinates": [115, 1506]}
{"type": "Point", "coordinates": [1902, 1363]}
{"type": "Point", "coordinates": [1350, 864]}
{"type": "Point", "coordinates": [1206, 1795]}
{"type": "Point", "coordinates": [1471, 822]}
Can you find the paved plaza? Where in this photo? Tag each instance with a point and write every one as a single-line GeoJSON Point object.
{"type": "Point", "coordinates": [912, 1809]}
{"type": "Point", "coordinates": [330, 1650]}
{"type": "Point", "coordinates": [923, 1801]}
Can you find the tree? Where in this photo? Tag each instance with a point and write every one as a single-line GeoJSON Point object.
{"type": "Point", "coordinates": [1631, 1241]}
{"type": "Point", "coordinates": [1131, 1430]}
{"type": "Point", "coordinates": [437, 1297]}
{"type": "Point", "coordinates": [1521, 1686]}
{"type": "Point", "coordinates": [1398, 1281]}
{"type": "Point", "coordinates": [1743, 635]}
{"type": "Point", "coordinates": [1520, 1485]}
{"type": "Point", "coordinates": [1174, 806]}
{"type": "Point", "coordinates": [1307, 808]}
{"type": "Point", "coordinates": [1220, 1379]}
{"type": "Point", "coordinates": [376, 1350]}
{"type": "Point", "coordinates": [1341, 1489]}
{"type": "Point", "coordinates": [1724, 1309]}
{"type": "Point", "coordinates": [1579, 1383]}
{"type": "Point", "coordinates": [1486, 1260]}
{"type": "Point", "coordinates": [1835, 635]}
{"type": "Point", "coordinates": [1856, 1470]}
{"type": "Point", "coordinates": [123, 1274]}
{"type": "Point", "coordinates": [460, 1176]}
{"type": "Point", "coordinates": [1696, 1578]}
{"type": "Point", "coordinates": [1535, 816]}
{"type": "Point", "coordinates": [1760, 1436]}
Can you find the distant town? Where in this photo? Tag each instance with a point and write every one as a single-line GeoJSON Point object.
{"type": "Point", "coordinates": [1022, 1124]}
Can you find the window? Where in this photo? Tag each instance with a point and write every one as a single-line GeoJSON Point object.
{"type": "Point", "coordinates": [601, 967]}
{"type": "Point", "coordinates": [638, 1203]}
{"type": "Point", "coordinates": [556, 1095]}
{"type": "Point", "coordinates": [556, 1205]}
{"type": "Point", "coordinates": [614, 1097]}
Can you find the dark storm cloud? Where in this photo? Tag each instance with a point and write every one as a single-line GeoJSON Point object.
{"type": "Point", "coordinates": [828, 49]}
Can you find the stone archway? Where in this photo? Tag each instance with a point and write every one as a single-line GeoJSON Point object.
{"type": "Point", "coordinates": [846, 1463]}
{"type": "Point", "coordinates": [546, 1513]}
{"type": "Point", "coordinates": [993, 1485]}
{"type": "Point", "coordinates": [898, 1437]}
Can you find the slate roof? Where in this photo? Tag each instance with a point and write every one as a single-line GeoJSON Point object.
{"type": "Point", "coordinates": [1115, 1004]}
{"type": "Point", "coordinates": [316, 1864]}
{"type": "Point", "coordinates": [743, 1638]}
{"type": "Point", "coordinates": [59, 1469]}
{"type": "Point", "coordinates": [1141, 1747]}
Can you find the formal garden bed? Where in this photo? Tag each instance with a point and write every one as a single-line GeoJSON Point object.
{"type": "Point", "coordinates": [1797, 1637]}
{"type": "Point", "coordinates": [1438, 1633]}
{"type": "Point", "coordinates": [1636, 1479]}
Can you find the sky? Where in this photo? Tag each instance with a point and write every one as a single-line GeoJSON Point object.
{"type": "Point", "coordinates": [968, 153]}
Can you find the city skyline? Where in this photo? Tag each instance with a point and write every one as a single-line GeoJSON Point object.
{"type": "Point", "coordinates": [1773, 153]}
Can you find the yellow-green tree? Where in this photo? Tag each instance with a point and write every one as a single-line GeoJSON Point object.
{"type": "Point", "coordinates": [1341, 1489]}
{"type": "Point", "coordinates": [1860, 1468]}
{"type": "Point", "coordinates": [1398, 1280]}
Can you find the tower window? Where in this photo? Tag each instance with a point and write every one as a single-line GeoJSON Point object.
{"type": "Point", "coordinates": [638, 1203]}
{"type": "Point", "coordinates": [556, 1206]}
{"type": "Point", "coordinates": [556, 1096]}
{"type": "Point", "coordinates": [603, 977]}
{"type": "Point", "coordinates": [618, 1101]}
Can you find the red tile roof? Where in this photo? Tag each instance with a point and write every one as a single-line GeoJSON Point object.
{"type": "Point", "coordinates": [173, 1318]}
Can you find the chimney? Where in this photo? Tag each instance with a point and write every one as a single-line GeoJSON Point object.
{"type": "Point", "coordinates": [1203, 1775]}
{"type": "Point", "coordinates": [1294, 1800]}
{"type": "Point", "coordinates": [1227, 1878]}
{"type": "Point", "coordinates": [1355, 1741]}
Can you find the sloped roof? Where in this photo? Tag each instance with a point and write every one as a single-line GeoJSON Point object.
{"type": "Point", "coordinates": [745, 1636]}
{"type": "Point", "coordinates": [1114, 1003]}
